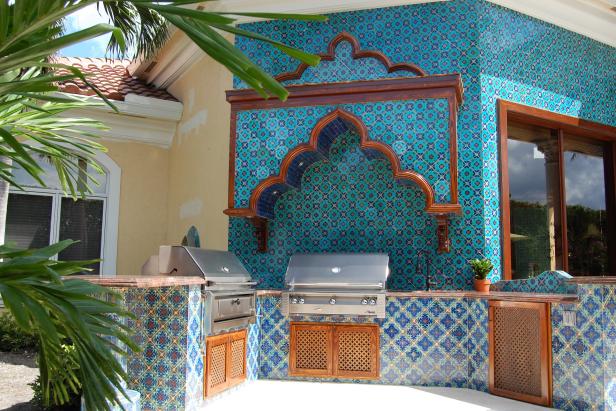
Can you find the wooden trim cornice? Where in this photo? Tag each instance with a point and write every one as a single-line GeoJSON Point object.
{"type": "Point", "coordinates": [358, 53]}
{"type": "Point", "coordinates": [403, 88]}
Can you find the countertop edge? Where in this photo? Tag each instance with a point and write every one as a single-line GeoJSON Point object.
{"type": "Point", "coordinates": [142, 281]}
{"type": "Point", "coordinates": [493, 295]}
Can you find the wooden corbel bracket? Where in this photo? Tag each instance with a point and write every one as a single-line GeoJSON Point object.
{"type": "Point", "coordinates": [442, 233]}
{"type": "Point", "coordinates": [261, 233]}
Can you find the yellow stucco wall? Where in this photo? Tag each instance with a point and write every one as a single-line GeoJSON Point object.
{"type": "Point", "coordinates": [143, 202]}
{"type": "Point", "coordinates": [199, 156]}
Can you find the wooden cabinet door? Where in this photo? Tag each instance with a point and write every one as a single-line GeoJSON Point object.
{"type": "Point", "coordinates": [334, 350]}
{"type": "Point", "coordinates": [520, 351]}
{"type": "Point", "coordinates": [356, 351]}
{"type": "Point", "coordinates": [225, 361]}
{"type": "Point", "coordinates": [216, 361]}
{"type": "Point", "coordinates": [236, 365]}
{"type": "Point", "coordinates": [310, 350]}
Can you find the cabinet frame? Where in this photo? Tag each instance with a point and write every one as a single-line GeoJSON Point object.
{"type": "Point", "coordinates": [545, 335]}
{"type": "Point", "coordinates": [217, 340]}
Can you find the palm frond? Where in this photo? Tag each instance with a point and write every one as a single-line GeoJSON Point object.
{"type": "Point", "coordinates": [67, 310]}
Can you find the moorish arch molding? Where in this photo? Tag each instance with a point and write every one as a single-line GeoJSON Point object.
{"type": "Point", "coordinates": [265, 195]}
{"type": "Point", "coordinates": [358, 53]}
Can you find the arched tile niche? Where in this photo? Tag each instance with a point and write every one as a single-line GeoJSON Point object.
{"type": "Point", "coordinates": [400, 113]}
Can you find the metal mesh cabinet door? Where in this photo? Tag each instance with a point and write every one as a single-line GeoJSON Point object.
{"type": "Point", "coordinates": [520, 351]}
{"type": "Point", "coordinates": [310, 350]}
{"type": "Point", "coordinates": [356, 351]}
{"type": "Point", "coordinates": [216, 364]}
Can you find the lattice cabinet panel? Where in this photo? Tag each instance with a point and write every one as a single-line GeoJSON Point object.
{"type": "Point", "coordinates": [356, 351]}
{"type": "Point", "coordinates": [334, 350]}
{"type": "Point", "coordinates": [225, 361]}
{"type": "Point", "coordinates": [310, 349]}
{"type": "Point", "coordinates": [520, 364]}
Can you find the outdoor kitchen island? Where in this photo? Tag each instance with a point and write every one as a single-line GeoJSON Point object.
{"type": "Point", "coordinates": [435, 338]}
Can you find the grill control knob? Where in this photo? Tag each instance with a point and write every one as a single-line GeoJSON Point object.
{"type": "Point", "coordinates": [373, 301]}
{"type": "Point", "coordinates": [364, 301]}
{"type": "Point", "coordinates": [332, 301]}
{"type": "Point", "coordinates": [293, 300]}
{"type": "Point", "coordinates": [300, 300]}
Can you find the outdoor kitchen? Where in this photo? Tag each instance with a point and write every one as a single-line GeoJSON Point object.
{"type": "Point", "coordinates": [355, 207]}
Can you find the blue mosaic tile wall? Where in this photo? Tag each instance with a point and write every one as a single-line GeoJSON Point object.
{"type": "Point", "coordinates": [423, 341]}
{"type": "Point", "coordinates": [500, 54]}
{"type": "Point", "coordinates": [352, 204]}
{"type": "Point", "coordinates": [168, 371]}
{"type": "Point", "coordinates": [578, 353]}
{"type": "Point", "coordinates": [549, 282]}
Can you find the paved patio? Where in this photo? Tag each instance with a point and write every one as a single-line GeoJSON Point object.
{"type": "Point", "coordinates": [309, 396]}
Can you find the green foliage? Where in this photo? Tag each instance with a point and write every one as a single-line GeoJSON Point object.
{"type": "Point", "coordinates": [73, 403]}
{"type": "Point", "coordinates": [481, 267]}
{"type": "Point", "coordinates": [60, 310]}
{"type": "Point", "coordinates": [145, 25]}
{"type": "Point", "coordinates": [13, 338]}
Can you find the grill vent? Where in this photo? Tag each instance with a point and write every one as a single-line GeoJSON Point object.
{"type": "Point", "coordinates": [519, 351]}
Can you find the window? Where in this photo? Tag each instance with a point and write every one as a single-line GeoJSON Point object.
{"type": "Point", "coordinates": [557, 213]}
{"type": "Point", "coordinates": [38, 216]}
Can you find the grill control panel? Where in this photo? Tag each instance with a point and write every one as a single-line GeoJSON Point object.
{"type": "Point", "coordinates": [333, 304]}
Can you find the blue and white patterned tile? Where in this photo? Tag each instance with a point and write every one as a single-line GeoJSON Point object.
{"type": "Point", "coordinates": [578, 353]}
{"type": "Point", "coordinates": [609, 343]}
{"type": "Point", "coordinates": [477, 322]}
{"type": "Point", "coordinates": [158, 372]}
{"type": "Point", "coordinates": [549, 282]}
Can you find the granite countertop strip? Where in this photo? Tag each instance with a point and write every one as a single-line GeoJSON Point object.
{"type": "Point", "coordinates": [593, 280]}
{"type": "Point", "coordinates": [142, 281]}
{"type": "Point", "coordinates": [494, 295]}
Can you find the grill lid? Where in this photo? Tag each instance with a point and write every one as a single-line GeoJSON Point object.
{"type": "Point", "coordinates": [214, 265]}
{"type": "Point", "coordinates": [367, 271]}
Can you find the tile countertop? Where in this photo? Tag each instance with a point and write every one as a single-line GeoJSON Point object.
{"type": "Point", "coordinates": [492, 295]}
{"type": "Point", "coordinates": [142, 281]}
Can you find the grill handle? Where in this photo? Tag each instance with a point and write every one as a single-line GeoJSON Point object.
{"type": "Point", "coordinates": [339, 285]}
{"type": "Point", "coordinates": [209, 283]}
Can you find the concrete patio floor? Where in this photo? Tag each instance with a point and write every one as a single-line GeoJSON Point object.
{"type": "Point", "coordinates": [310, 396]}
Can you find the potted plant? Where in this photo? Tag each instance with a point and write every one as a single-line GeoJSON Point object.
{"type": "Point", "coordinates": [481, 268]}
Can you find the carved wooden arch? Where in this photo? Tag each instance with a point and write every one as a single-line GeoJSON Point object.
{"type": "Point", "coordinates": [358, 53]}
{"type": "Point", "coordinates": [364, 143]}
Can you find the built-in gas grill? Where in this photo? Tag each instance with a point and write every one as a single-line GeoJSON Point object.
{"type": "Point", "coordinates": [229, 294]}
{"type": "Point", "coordinates": [336, 284]}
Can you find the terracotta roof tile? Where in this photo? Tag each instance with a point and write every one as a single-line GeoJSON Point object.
{"type": "Point", "coordinates": [110, 76]}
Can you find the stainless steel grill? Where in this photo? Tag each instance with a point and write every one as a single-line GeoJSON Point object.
{"type": "Point", "coordinates": [343, 284]}
{"type": "Point", "coordinates": [229, 294]}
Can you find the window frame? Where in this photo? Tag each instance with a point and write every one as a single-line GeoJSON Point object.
{"type": "Point", "coordinates": [561, 124]}
{"type": "Point", "coordinates": [56, 212]}
{"type": "Point", "coordinates": [111, 212]}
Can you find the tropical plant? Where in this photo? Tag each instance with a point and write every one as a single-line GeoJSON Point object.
{"type": "Point", "coordinates": [66, 310]}
{"type": "Point", "coordinates": [35, 127]}
{"type": "Point", "coordinates": [481, 267]}
{"type": "Point", "coordinates": [13, 338]}
{"type": "Point", "coordinates": [70, 361]}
